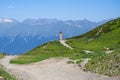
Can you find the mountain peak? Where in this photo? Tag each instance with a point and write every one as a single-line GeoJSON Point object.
{"type": "Point", "coordinates": [6, 20]}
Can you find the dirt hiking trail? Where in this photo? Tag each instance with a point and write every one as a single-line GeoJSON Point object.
{"type": "Point", "coordinates": [50, 69]}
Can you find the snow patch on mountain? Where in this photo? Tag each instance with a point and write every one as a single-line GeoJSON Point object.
{"type": "Point", "coordinates": [5, 20]}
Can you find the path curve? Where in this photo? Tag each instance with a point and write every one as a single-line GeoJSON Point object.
{"type": "Point", "coordinates": [64, 44]}
{"type": "Point", "coordinates": [50, 69]}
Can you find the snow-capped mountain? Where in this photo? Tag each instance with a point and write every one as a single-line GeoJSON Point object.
{"type": "Point", "coordinates": [19, 37]}
{"type": "Point", "coordinates": [6, 20]}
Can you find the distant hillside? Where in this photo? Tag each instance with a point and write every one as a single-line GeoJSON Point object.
{"type": "Point", "coordinates": [104, 36]}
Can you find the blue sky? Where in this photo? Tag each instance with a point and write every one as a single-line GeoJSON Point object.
{"type": "Point", "coordinates": [94, 10]}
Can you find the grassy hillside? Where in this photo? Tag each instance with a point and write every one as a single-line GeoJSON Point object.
{"type": "Point", "coordinates": [106, 35]}
{"type": "Point", "coordinates": [50, 49]}
{"type": "Point", "coordinates": [107, 64]}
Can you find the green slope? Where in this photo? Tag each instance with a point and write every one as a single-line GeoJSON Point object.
{"type": "Point", "coordinates": [106, 35]}
{"type": "Point", "coordinates": [48, 50]}
{"type": "Point", "coordinates": [109, 36]}
{"type": "Point", "coordinates": [107, 64]}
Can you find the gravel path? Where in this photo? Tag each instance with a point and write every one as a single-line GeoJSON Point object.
{"type": "Point", "coordinates": [64, 44]}
{"type": "Point", "coordinates": [50, 69]}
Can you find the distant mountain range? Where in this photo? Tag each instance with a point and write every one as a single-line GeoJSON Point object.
{"type": "Point", "coordinates": [19, 37]}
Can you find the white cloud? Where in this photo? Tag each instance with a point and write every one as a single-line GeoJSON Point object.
{"type": "Point", "coordinates": [11, 7]}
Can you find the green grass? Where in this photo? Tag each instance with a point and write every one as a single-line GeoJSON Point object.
{"type": "Point", "coordinates": [51, 49]}
{"type": "Point", "coordinates": [5, 74]}
{"type": "Point", "coordinates": [1, 55]}
{"type": "Point", "coordinates": [106, 64]}
{"type": "Point", "coordinates": [108, 37]}
{"type": "Point", "coordinates": [48, 50]}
